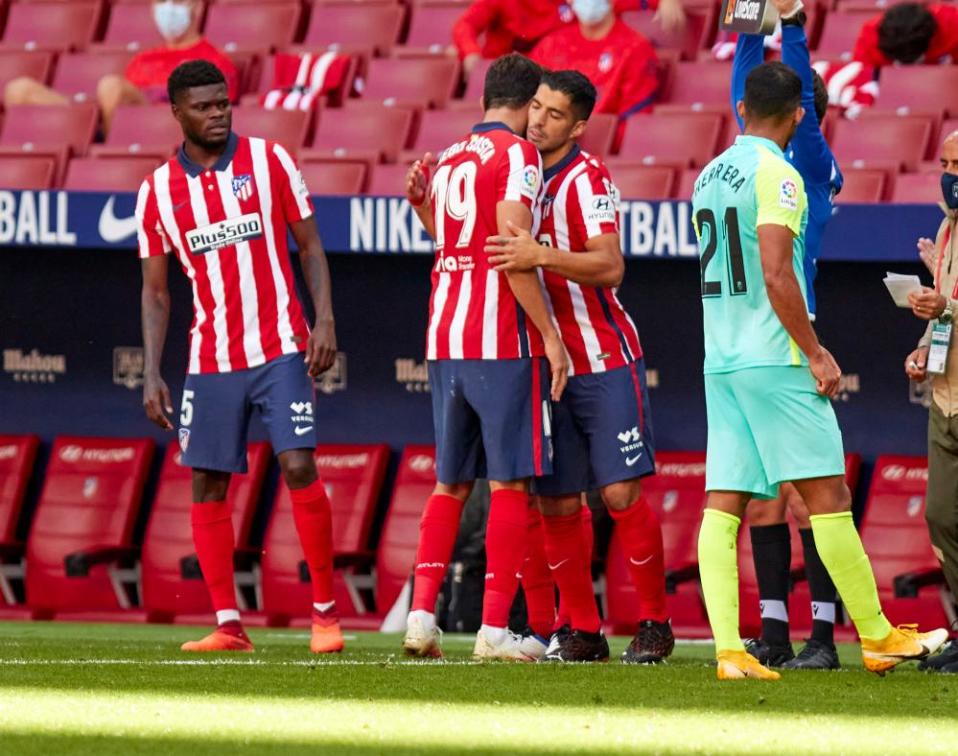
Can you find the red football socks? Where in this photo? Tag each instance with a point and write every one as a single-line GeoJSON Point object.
{"type": "Point", "coordinates": [641, 537]}
{"type": "Point", "coordinates": [588, 539]}
{"type": "Point", "coordinates": [437, 538]}
{"type": "Point", "coordinates": [314, 523]}
{"type": "Point", "coordinates": [214, 541]}
{"type": "Point", "coordinates": [537, 585]}
{"type": "Point", "coordinates": [506, 532]}
{"type": "Point", "coordinates": [570, 563]}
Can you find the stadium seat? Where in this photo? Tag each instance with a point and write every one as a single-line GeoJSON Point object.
{"type": "Point", "coordinates": [839, 33]}
{"type": "Point", "coordinates": [83, 525]}
{"type": "Point", "coordinates": [924, 188]}
{"type": "Point", "coordinates": [862, 185]}
{"type": "Point", "coordinates": [388, 180]}
{"type": "Point", "coordinates": [27, 171]}
{"type": "Point", "coordinates": [699, 84]}
{"type": "Point", "coordinates": [131, 27]}
{"type": "Point", "coordinates": [439, 129]}
{"type": "Point", "coordinates": [672, 138]}
{"type": "Point", "coordinates": [78, 74]}
{"type": "Point", "coordinates": [74, 125]}
{"type": "Point", "coordinates": [643, 182]}
{"type": "Point", "coordinates": [902, 139]}
{"type": "Point", "coordinates": [396, 556]}
{"type": "Point", "coordinates": [172, 583]}
{"type": "Point", "coordinates": [288, 127]}
{"type": "Point", "coordinates": [261, 81]}
{"type": "Point", "coordinates": [420, 82]}
{"type": "Point", "coordinates": [686, 183]}
{"type": "Point", "coordinates": [916, 88]}
{"type": "Point", "coordinates": [476, 81]}
{"type": "Point", "coordinates": [677, 495]}
{"type": "Point", "coordinates": [34, 64]}
{"type": "Point", "coordinates": [371, 133]}
{"type": "Point", "coordinates": [142, 129]}
{"type": "Point", "coordinates": [698, 31]}
{"type": "Point", "coordinates": [600, 135]}
{"type": "Point", "coordinates": [252, 26]}
{"type": "Point", "coordinates": [377, 26]}
{"type": "Point", "coordinates": [109, 174]}
{"type": "Point", "coordinates": [353, 476]}
{"type": "Point", "coordinates": [430, 29]}
{"type": "Point", "coordinates": [17, 455]}
{"type": "Point", "coordinates": [52, 26]}
{"type": "Point", "coordinates": [895, 536]}
{"type": "Point", "coordinates": [333, 177]}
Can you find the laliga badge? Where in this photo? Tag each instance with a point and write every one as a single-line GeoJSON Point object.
{"type": "Point", "coordinates": [748, 17]}
{"type": "Point", "coordinates": [938, 352]}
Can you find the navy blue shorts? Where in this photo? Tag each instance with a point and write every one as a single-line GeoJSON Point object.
{"type": "Point", "coordinates": [492, 419]}
{"type": "Point", "coordinates": [216, 410]}
{"type": "Point", "coordinates": [602, 432]}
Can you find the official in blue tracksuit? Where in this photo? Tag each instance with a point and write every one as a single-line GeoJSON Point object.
{"type": "Point", "coordinates": [771, 540]}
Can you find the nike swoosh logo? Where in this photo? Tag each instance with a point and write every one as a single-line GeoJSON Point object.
{"type": "Point", "coordinates": [632, 460]}
{"type": "Point", "coordinates": [644, 561]}
{"type": "Point", "coordinates": [113, 229]}
{"type": "Point", "coordinates": [557, 566]}
{"type": "Point", "coordinates": [301, 431]}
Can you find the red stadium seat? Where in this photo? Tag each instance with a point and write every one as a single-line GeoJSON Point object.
{"type": "Point", "coordinates": [422, 82]}
{"type": "Point", "coordinates": [288, 127]}
{"type": "Point", "coordinates": [52, 26]}
{"type": "Point", "coordinates": [686, 185]}
{"type": "Point", "coordinates": [865, 185]}
{"type": "Point", "coordinates": [599, 136]}
{"type": "Point", "coordinates": [73, 125]}
{"type": "Point", "coordinates": [355, 24]}
{"type": "Point", "coordinates": [430, 28]}
{"type": "Point", "coordinates": [476, 82]}
{"type": "Point", "coordinates": [700, 84]}
{"type": "Point", "coordinates": [388, 180]}
{"type": "Point", "coordinates": [643, 182]}
{"type": "Point", "coordinates": [840, 32]}
{"type": "Point", "coordinates": [108, 174]}
{"type": "Point", "coordinates": [27, 172]}
{"type": "Point", "coordinates": [353, 475]}
{"type": "Point", "coordinates": [439, 129]}
{"type": "Point", "coordinates": [242, 26]}
{"type": "Point", "coordinates": [924, 188]}
{"type": "Point", "coordinates": [17, 455]}
{"type": "Point", "coordinates": [33, 64]}
{"type": "Point", "coordinates": [131, 26]}
{"type": "Point", "coordinates": [672, 138]}
{"type": "Point", "coordinates": [372, 133]}
{"type": "Point", "coordinates": [895, 537]}
{"type": "Point", "coordinates": [677, 494]}
{"type": "Point", "coordinates": [396, 556]}
{"type": "Point", "coordinates": [148, 129]}
{"type": "Point", "coordinates": [917, 87]}
{"type": "Point", "coordinates": [265, 77]}
{"type": "Point", "coordinates": [901, 139]}
{"type": "Point", "coordinates": [172, 583]}
{"type": "Point", "coordinates": [78, 74]}
{"type": "Point", "coordinates": [334, 177]}
{"type": "Point", "coordinates": [696, 35]}
{"type": "Point", "coordinates": [83, 524]}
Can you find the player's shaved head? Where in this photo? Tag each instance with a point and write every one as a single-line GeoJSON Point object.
{"type": "Point", "coordinates": [511, 82]}
{"type": "Point", "coordinates": [773, 91]}
{"type": "Point", "coordinates": [949, 153]}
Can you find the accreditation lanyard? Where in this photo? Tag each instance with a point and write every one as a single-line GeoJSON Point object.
{"type": "Point", "coordinates": [941, 332]}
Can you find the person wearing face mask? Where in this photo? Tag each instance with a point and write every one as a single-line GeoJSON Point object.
{"type": "Point", "coordinates": [144, 80]}
{"type": "Point", "coordinates": [619, 61]}
{"type": "Point", "coordinates": [909, 33]}
{"type": "Point", "coordinates": [938, 305]}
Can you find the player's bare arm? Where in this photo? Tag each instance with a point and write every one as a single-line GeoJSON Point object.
{"type": "Point", "coordinates": [785, 296]}
{"type": "Point", "coordinates": [155, 307]}
{"type": "Point", "coordinates": [321, 347]}
{"type": "Point", "coordinates": [600, 264]}
{"type": "Point", "coordinates": [417, 192]}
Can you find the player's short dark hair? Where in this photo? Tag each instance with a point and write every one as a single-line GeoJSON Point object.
{"type": "Point", "coordinates": [905, 31]}
{"type": "Point", "coordinates": [511, 82]}
{"type": "Point", "coordinates": [772, 91]}
{"type": "Point", "coordinates": [577, 87]}
{"type": "Point", "coordinates": [821, 95]}
{"type": "Point", "coordinates": [193, 73]}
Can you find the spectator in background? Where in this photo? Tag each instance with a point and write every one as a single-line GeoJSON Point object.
{"type": "Point", "coordinates": [939, 304]}
{"type": "Point", "coordinates": [144, 80]}
{"type": "Point", "coordinates": [910, 33]}
{"type": "Point", "coordinates": [619, 61]}
{"type": "Point", "coordinates": [517, 25]}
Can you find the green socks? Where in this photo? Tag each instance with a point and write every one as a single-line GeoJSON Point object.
{"type": "Point", "coordinates": [841, 552]}
{"type": "Point", "coordinates": [718, 573]}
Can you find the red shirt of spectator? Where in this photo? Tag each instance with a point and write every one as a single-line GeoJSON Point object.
{"type": "Point", "coordinates": [622, 65]}
{"type": "Point", "coordinates": [943, 44]}
{"type": "Point", "coordinates": [150, 69]}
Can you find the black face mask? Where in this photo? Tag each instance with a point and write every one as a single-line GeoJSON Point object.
{"type": "Point", "coordinates": [949, 190]}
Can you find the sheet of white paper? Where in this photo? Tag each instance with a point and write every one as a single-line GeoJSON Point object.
{"type": "Point", "coordinates": [900, 287]}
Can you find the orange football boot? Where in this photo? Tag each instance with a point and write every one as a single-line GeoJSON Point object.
{"type": "Point", "coordinates": [327, 637]}
{"type": "Point", "coordinates": [228, 637]}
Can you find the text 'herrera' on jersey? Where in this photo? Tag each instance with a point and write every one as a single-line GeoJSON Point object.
{"type": "Point", "coordinates": [227, 226]}
{"type": "Point", "coordinates": [473, 314]}
{"type": "Point", "coordinates": [579, 203]}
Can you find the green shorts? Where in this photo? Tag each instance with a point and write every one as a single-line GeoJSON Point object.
{"type": "Point", "coordinates": [768, 425]}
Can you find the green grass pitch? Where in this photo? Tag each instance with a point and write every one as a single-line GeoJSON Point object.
{"type": "Point", "coordinates": [118, 689]}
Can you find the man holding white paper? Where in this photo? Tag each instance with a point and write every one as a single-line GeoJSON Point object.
{"type": "Point", "coordinates": [936, 356]}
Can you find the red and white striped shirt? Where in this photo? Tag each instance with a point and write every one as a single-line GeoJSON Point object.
{"type": "Point", "coordinates": [580, 203]}
{"type": "Point", "coordinates": [473, 314]}
{"type": "Point", "coordinates": [227, 226]}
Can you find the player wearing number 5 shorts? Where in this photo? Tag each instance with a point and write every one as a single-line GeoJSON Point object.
{"type": "Point", "coordinates": [488, 339]}
{"type": "Point", "coordinates": [768, 380]}
{"type": "Point", "coordinates": [222, 206]}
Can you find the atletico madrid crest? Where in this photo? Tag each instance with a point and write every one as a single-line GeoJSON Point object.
{"type": "Point", "coordinates": [243, 187]}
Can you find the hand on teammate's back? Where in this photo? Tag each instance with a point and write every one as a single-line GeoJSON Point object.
{"type": "Point", "coordinates": [827, 374]}
{"type": "Point", "coordinates": [157, 402]}
{"type": "Point", "coordinates": [927, 304]}
{"type": "Point", "coordinates": [916, 364]}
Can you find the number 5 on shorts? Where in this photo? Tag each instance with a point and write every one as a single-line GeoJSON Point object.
{"type": "Point", "coordinates": [186, 409]}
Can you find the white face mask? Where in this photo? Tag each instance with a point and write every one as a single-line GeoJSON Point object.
{"type": "Point", "coordinates": [591, 11]}
{"type": "Point", "coordinates": [172, 19]}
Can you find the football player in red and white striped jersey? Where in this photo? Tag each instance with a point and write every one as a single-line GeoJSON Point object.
{"type": "Point", "coordinates": [222, 206]}
{"type": "Point", "coordinates": [489, 337]}
{"type": "Point", "coordinates": [602, 431]}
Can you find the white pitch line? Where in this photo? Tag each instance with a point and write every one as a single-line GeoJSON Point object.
{"type": "Point", "coordinates": [236, 663]}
